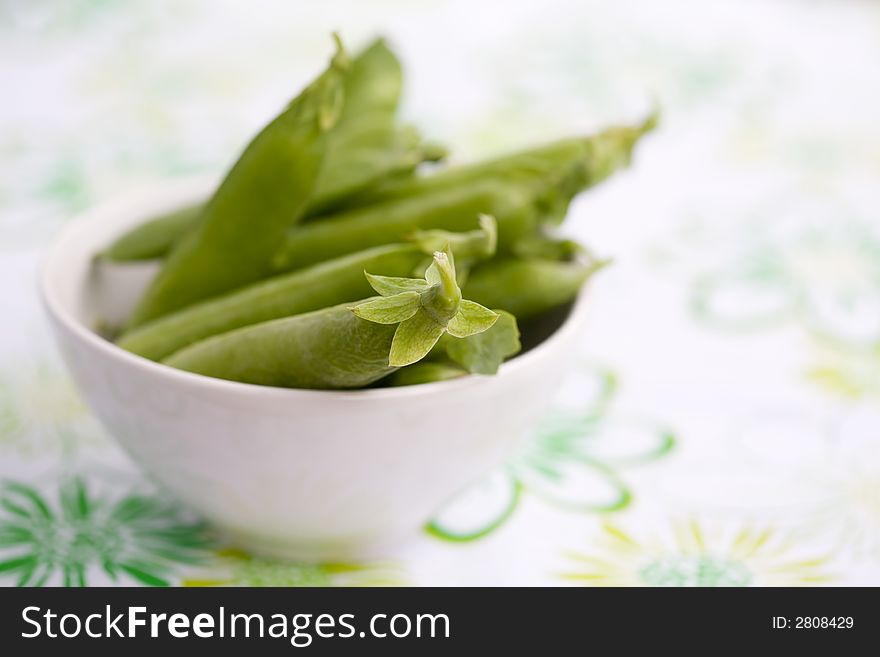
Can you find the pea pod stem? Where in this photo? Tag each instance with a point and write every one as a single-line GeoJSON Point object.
{"type": "Point", "coordinates": [425, 310]}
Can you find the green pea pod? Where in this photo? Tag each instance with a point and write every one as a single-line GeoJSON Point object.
{"type": "Point", "coordinates": [469, 247]}
{"type": "Point", "coordinates": [528, 287]}
{"type": "Point", "coordinates": [364, 147]}
{"type": "Point", "coordinates": [325, 284]}
{"type": "Point", "coordinates": [547, 247]}
{"type": "Point", "coordinates": [265, 192]}
{"type": "Point", "coordinates": [521, 191]}
{"type": "Point", "coordinates": [326, 349]}
{"type": "Point", "coordinates": [426, 372]}
{"type": "Point", "coordinates": [347, 169]}
{"type": "Point", "coordinates": [374, 85]}
{"type": "Point", "coordinates": [552, 174]}
{"type": "Point", "coordinates": [153, 239]}
{"type": "Point", "coordinates": [556, 172]}
{"type": "Point", "coordinates": [368, 153]}
{"type": "Point", "coordinates": [344, 346]}
{"type": "Point", "coordinates": [450, 210]}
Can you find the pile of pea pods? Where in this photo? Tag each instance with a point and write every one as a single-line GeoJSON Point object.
{"type": "Point", "coordinates": [329, 258]}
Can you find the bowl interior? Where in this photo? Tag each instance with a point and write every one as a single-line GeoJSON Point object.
{"type": "Point", "coordinates": [96, 294]}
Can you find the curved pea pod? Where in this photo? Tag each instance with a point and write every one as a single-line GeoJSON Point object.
{"type": "Point", "coordinates": [264, 193]}
{"type": "Point", "coordinates": [368, 153]}
{"type": "Point", "coordinates": [451, 210]}
{"type": "Point", "coordinates": [374, 85]}
{"type": "Point", "coordinates": [364, 160]}
{"type": "Point", "coordinates": [528, 287]}
{"type": "Point", "coordinates": [367, 126]}
{"type": "Point", "coordinates": [325, 349]}
{"type": "Point", "coordinates": [552, 174]}
{"type": "Point", "coordinates": [322, 285]}
{"type": "Point", "coordinates": [325, 284]}
{"type": "Point", "coordinates": [153, 239]}
{"type": "Point", "coordinates": [556, 172]}
{"type": "Point", "coordinates": [364, 147]}
{"type": "Point", "coordinates": [344, 346]}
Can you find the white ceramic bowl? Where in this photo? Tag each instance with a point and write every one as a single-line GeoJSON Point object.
{"type": "Point", "coordinates": [304, 474]}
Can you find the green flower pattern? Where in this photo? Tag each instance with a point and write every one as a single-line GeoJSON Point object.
{"type": "Point", "coordinates": [824, 277]}
{"type": "Point", "coordinates": [567, 462]}
{"type": "Point", "coordinates": [133, 539]}
{"type": "Point", "coordinates": [816, 269]}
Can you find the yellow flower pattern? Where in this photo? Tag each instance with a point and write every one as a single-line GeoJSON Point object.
{"type": "Point", "coordinates": [695, 555]}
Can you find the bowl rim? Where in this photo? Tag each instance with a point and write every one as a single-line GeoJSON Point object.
{"type": "Point", "coordinates": [103, 213]}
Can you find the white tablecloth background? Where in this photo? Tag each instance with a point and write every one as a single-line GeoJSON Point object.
{"type": "Point", "coordinates": [722, 423]}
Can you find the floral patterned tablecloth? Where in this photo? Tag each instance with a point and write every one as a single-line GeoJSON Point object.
{"type": "Point", "coordinates": [722, 422]}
